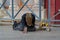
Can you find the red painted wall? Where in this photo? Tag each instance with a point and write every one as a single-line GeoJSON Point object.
{"type": "Point", "coordinates": [52, 6]}
{"type": "Point", "coordinates": [46, 6]}
{"type": "Point", "coordinates": [57, 7]}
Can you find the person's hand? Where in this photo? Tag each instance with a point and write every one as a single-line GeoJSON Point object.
{"type": "Point", "coordinates": [25, 30]}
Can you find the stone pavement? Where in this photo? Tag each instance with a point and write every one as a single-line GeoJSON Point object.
{"type": "Point", "coordinates": [7, 33]}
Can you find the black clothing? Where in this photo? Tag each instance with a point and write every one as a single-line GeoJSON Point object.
{"type": "Point", "coordinates": [24, 24]}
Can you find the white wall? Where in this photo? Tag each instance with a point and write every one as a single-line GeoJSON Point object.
{"type": "Point", "coordinates": [36, 10]}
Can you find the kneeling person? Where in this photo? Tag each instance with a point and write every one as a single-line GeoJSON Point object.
{"type": "Point", "coordinates": [27, 23]}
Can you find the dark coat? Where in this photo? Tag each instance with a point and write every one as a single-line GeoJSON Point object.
{"type": "Point", "coordinates": [22, 24]}
{"type": "Point", "coordinates": [25, 24]}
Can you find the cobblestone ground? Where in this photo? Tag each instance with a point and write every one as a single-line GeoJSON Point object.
{"type": "Point", "coordinates": [7, 33]}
